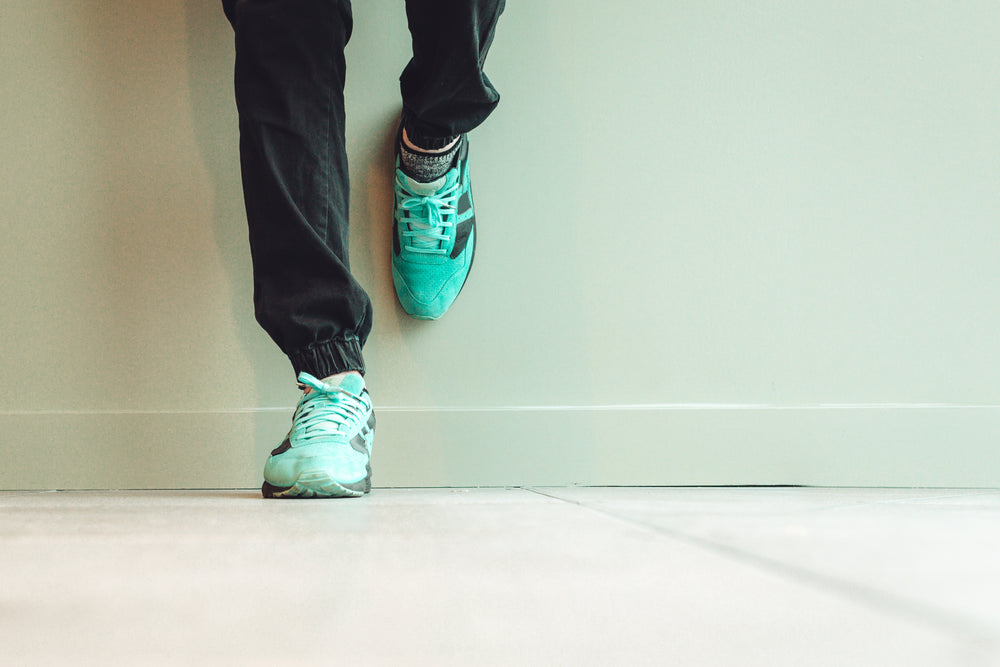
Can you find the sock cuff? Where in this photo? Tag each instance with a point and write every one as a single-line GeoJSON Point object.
{"type": "Point", "coordinates": [425, 167]}
{"type": "Point", "coordinates": [426, 141]}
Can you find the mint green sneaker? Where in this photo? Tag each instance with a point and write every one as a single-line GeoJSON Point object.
{"type": "Point", "coordinates": [327, 454]}
{"type": "Point", "coordinates": [433, 237]}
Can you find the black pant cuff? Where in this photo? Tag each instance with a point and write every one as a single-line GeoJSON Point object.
{"type": "Point", "coordinates": [330, 357]}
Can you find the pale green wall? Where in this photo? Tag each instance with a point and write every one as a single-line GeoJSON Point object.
{"type": "Point", "coordinates": [721, 242]}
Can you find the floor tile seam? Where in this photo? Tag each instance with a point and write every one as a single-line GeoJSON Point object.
{"type": "Point", "coordinates": [912, 499]}
{"type": "Point", "coordinates": [960, 493]}
{"type": "Point", "coordinates": [966, 630]}
{"type": "Point", "coordinates": [21, 493]}
{"type": "Point", "coordinates": [24, 492]}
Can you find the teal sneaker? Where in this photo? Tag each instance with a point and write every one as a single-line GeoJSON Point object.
{"type": "Point", "coordinates": [327, 454]}
{"type": "Point", "coordinates": [434, 237]}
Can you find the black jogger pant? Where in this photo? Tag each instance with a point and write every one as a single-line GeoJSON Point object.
{"type": "Point", "coordinates": [290, 96]}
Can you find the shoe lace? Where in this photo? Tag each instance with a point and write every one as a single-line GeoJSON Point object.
{"type": "Point", "coordinates": [326, 411]}
{"type": "Point", "coordinates": [430, 216]}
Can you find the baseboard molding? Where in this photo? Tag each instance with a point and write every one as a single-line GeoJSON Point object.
{"type": "Point", "coordinates": [895, 445]}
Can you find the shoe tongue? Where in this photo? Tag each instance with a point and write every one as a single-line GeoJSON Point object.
{"type": "Point", "coordinates": [425, 189]}
{"type": "Point", "coordinates": [353, 383]}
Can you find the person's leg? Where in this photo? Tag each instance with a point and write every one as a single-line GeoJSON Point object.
{"type": "Point", "coordinates": [445, 95]}
{"type": "Point", "coordinates": [445, 92]}
{"type": "Point", "coordinates": [290, 94]}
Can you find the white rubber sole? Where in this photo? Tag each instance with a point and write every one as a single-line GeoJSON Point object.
{"type": "Point", "coordinates": [317, 484]}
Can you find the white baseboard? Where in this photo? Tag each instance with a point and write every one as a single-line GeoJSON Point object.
{"type": "Point", "coordinates": [894, 445]}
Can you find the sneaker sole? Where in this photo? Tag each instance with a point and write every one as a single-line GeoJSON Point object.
{"type": "Point", "coordinates": [317, 484]}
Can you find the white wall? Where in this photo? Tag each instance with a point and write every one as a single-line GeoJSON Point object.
{"type": "Point", "coordinates": [720, 242]}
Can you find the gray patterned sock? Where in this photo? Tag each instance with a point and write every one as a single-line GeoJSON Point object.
{"type": "Point", "coordinates": [425, 167]}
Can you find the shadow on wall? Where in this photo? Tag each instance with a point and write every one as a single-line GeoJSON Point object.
{"type": "Point", "coordinates": [372, 172]}
{"type": "Point", "coordinates": [216, 131]}
{"type": "Point", "coordinates": [170, 214]}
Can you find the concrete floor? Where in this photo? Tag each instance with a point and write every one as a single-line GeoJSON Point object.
{"type": "Point", "coordinates": [545, 576]}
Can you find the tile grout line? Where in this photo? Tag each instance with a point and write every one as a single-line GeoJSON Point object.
{"type": "Point", "coordinates": [966, 630]}
{"type": "Point", "coordinates": [959, 493]}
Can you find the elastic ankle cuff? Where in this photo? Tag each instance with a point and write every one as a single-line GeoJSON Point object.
{"type": "Point", "coordinates": [321, 360]}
